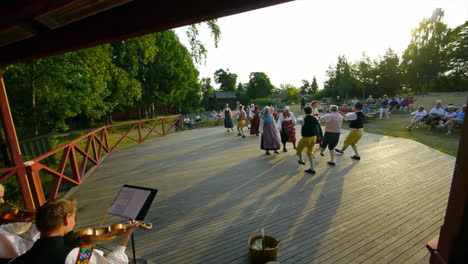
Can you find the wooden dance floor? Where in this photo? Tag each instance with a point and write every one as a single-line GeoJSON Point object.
{"type": "Point", "coordinates": [216, 190]}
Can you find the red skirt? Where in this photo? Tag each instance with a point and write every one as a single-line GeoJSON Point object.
{"type": "Point", "coordinates": [288, 132]}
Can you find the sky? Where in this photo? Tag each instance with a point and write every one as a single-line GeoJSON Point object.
{"type": "Point", "coordinates": [301, 39]}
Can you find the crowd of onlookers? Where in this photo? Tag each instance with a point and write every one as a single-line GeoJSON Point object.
{"type": "Point", "coordinates": [439, 116]}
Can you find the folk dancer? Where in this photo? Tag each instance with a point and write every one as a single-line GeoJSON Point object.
{"type": "Point", "coordinates": [311, 132]}
{"type": "Point", "coordinates": [241, 121]}
{"type": "Point", "coordinates": [356, 130]}
{"type": "Point", "coordinates": [332, 122]}
{"type": "Point", "coordinates": [316, 113]}
{"type": "Point", "coordinates": [54, 220]}
{"type": "Point", "coordinates": [255, 124]}
{"type": "Point", "coordinates": [286, 124]}
{"type": "Point", "coordinates": [11, 243]}
{"type": "Point", "coordinates": [270, 139]}
{"type": "Point", "coordinates": [228, 118]}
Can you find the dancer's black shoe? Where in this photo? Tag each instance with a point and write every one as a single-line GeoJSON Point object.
{"type": "Point", "coordinates": [310, 171]}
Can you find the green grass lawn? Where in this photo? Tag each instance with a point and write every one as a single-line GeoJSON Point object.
{"type": "Point", "coordinates": [396, 125]}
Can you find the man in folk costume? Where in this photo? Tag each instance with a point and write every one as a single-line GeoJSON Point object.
{"type": "Point", "coordinates": [270, 139]}
{"type": "Point", "coordinates": [255, 124]}
{"type": "Point", "coordinates": [241, 121]}
{"type": "Point", "coordinates": [286, 123]}
{"type": "Point", "coordinates": [316, 113]}
{"type": "Point", "coordinates": [332, 122]}
{"type": "Point", "coordinates": [228, 118]}
{"type": "Point", "coordinates": [311, 132]}
{"type": "Point", "coordinates": [356, 130]}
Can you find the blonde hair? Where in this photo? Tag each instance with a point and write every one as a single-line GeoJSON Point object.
{"type": "Point", "coordinates": [50, 215]}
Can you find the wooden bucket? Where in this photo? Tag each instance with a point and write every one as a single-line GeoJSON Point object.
{"type": "Point", "coordinates": [262, 256]}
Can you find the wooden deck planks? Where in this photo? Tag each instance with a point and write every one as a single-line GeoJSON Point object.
{"type": "Point", "coordinates": [216, 190]}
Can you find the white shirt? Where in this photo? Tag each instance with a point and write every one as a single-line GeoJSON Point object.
{"type": "Point", "coordinates": [117, 256]}
{"type": "Point", "coordinates": [332, 122]}
{"type": "Point", "coordinates": [421, 114]}
{"type": "Point", "coordinates": [283, 118]}
{"type": "Point", "coordinates": [12, 244]}
{"type": "Point", "coordinates": [435, 111]}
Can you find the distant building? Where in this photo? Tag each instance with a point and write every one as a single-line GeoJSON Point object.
{"type": "Point", "coordinates": [220, 98]}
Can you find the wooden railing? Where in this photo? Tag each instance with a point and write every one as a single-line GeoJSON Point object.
{"type": "Point", "coordinates": [75, 158]}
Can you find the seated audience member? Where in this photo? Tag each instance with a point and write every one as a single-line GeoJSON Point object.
{"type": "Point", "coordinates": [435, 115]}
{"type": "Point", "coordinates": [450, 113]}
{"type": "Point", "coordinates": [54, 220]}
{"type": "Point", "coordinates": [404, 104]}
{"type": "Point", "coordinates": [188, 122]}
{"type": "Point", "coordinates": [214, 115]}
{"type": "Point", "coordinates": [355, 101]}
{"type": "Point", "coordinates": [198, 118]}
{"type": "Point", "coordinates": [458, 119]}
{"type": "Point", "coordinates": [378, 101]}
{"type": "Point", "coordinates": [393, 104]}
{"type": "Point", "coordinates": [418, 116]}
{"type": "Point", "coordinates": [370, 100]}
{"type": "Point", "coordinates": [366, 110]}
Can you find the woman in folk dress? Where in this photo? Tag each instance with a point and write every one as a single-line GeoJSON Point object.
{"type": "Point", "coordinates": [270, 139]}
{"type": "Point", "coordinates": [228, 118]}
{"type": "Point", "coordinates": [286, 123]}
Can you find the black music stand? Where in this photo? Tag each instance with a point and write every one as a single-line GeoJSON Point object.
{"type": "Point", "coordinates": [133, 202]}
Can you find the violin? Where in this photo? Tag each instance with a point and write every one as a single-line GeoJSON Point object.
{"type": "Point", "coordinates": [94, 235]}
{"type": "Point", "coordinates": [16, 216]}
{"type": "Point", "coordinates": [7, 218]}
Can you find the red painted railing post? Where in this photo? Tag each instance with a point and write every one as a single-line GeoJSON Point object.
{"type": "Point", "coordinates": [37, 192]}
{"type": "Point", "coordinates": [15, 151]}
{"type": "Point", "coordinates": [139, 132]}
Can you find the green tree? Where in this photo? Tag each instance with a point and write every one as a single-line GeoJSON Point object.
{"type": "Point", "coordinates": [314, 86]}
{"type": "Point", "coordinates": [290, 92]}
{"type": "Point", "coordinates": [423, 58]}
{"type": "Point", "coordinates": [171, 78]}
{"type": "Point", "coordinates": [226, 80]}
{"type": "Point", "coordinates": [365, 74]}
{"type": "Point", "coordinates": [207, 92]}
{"type": "Point", "coordinates": [305, 87]}
{"type": "Point", "coordinates": [198, 50]}
{"type": "Point", "coordinates": [388, 74]}
{"type": "Point", "coordinates": [259, 86]}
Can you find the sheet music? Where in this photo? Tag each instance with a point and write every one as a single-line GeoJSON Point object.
{"type": "Point", "coordinates": [129, 202]}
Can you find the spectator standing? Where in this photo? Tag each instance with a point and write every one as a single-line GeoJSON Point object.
{"type": "Point", "coordinates": [303, 102]}
{"type": "Point", "coordinates": [384, 107]}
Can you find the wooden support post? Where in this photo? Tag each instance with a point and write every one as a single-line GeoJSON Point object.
{"type": "Point", "coordinates": [13, 145]}
{"type": "Point", "coordinates": [453, 238]}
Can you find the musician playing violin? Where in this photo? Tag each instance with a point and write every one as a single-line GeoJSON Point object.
{"type": "Point", "coordinates": [11, 243]}
{"type": "Point", "coordinates": [54, 220]}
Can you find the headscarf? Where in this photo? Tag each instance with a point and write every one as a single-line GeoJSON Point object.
{"type": "Point", "coordinates": [267, 119]}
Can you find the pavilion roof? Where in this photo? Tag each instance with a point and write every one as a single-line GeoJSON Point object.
{"type": "Point", "coordinates": [31, 29]}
